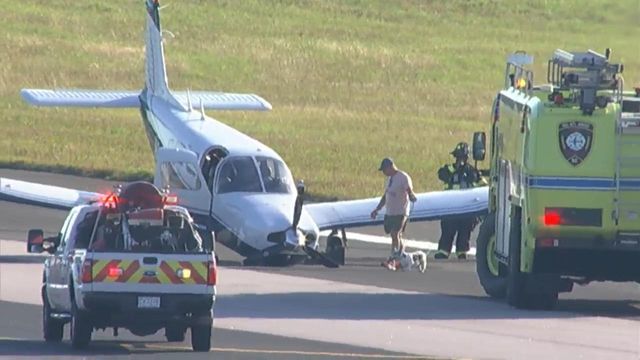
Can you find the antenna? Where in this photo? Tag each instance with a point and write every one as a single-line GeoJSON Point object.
{"type": "Point", "coordinates": [189, 106]}
{"type": "Point", "coordinates": [202, 110]}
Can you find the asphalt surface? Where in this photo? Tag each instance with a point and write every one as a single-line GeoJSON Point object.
{"type": "Point", "coordinates": [20, 325]}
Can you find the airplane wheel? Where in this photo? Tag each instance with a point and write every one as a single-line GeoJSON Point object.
{"type": "Point", "coordinates": [334, 243]}
{"type": "Point", "coordinates": [335, 249]}
{"type": "Point", "coordinates": [279, 260]}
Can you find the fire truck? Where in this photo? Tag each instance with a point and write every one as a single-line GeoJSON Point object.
{"type": "Point", "coordinates": [564, 196]}
{"type": "Point", "coordinates": [131, 260]}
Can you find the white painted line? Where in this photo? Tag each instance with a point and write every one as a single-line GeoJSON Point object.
{"type": "Point", "coordinates": [385, 240]}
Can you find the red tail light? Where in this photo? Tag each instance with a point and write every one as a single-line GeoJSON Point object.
{"type": "Point", "coordinates": [87, 268]}
{"type": "Point", "coordinates": [552, 218]}
{"type": "Point", "coordinates": [212, 274]}
{"type": "Point", "coordinates": [114, 271]}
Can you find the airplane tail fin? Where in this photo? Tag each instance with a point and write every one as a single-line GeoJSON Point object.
{"type": "Point", "coordinates": [156, 84]}
{"type": "Point", "coordinates": [155, 71]}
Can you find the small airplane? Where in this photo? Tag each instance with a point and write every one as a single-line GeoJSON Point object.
{"type": "Point", "coordinates": [234, 186]}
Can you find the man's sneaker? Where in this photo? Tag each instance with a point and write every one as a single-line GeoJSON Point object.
{"type": "Point", "coordinates": [462, 256]}
{"type": "Point", "coordinates": [441, 255]}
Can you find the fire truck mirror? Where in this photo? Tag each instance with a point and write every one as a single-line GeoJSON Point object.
{"type": "Point", "coordinates": [479, 145]}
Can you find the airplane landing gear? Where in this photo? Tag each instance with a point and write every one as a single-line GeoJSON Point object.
{"type": "Point", "coordinates": [336, 245]}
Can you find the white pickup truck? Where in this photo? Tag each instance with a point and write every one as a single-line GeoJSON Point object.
{"type": "Point", "coordinates": [130, 261]}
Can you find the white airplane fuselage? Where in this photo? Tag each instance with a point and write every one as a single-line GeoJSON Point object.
{"type": "Point", "coordinates": [248, 217]}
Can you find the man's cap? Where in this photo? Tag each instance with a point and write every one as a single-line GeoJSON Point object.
{"type": "Point", "coordinates": [386, 162]}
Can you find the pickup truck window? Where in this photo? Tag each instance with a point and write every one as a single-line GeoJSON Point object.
{"type": "Point", "coordinates": [66, 228]}
{"type": "Point", "coordinates": [81, 232]}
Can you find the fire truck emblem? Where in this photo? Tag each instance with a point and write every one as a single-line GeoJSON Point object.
{"type": "Point", "coordinates": [575, 138]}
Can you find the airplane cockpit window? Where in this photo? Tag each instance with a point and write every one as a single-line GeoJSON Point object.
{"type": "Point", "coordinates": [239, 174]}
{"type": "Point", "coordinates": [275, 176]}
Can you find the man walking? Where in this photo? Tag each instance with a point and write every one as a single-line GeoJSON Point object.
{"type": "Point", "coordinates": [459, 175]}
{"type": "Point", "coordinates": [398, 192]}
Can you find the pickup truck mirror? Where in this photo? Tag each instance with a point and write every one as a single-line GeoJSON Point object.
{"type": "Point", "coordinates": [479, 145]}
{"type": "Point", "coordinates": [35, 241]}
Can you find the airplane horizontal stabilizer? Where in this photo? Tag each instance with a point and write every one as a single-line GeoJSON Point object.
{"type": "Point", "coordinates": [434, 205]}
{"type": "Point", "coordinates": [45, 195]}
{"type": "Point", "coordinates": [82, 98]}
{"type": "Point", "coordinates": [222, 101]}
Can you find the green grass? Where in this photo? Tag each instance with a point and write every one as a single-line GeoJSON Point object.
{"type": "Point", "coordinates": [350, 81]}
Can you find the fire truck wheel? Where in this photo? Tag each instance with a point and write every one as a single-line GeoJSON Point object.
{"type": "Point", "coordinates": [490, 272]}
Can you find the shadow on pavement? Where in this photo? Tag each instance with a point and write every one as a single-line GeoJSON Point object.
{"type": "Point", "coordinates": [389, 306]}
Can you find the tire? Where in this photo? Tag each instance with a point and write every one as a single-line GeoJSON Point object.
{"type": "Point", "coordinates": [81, 328]}
{"type": "Point", "coordinates": [335, 249]}
{"type": "Point", "coordinates": [490, 272]}
{"type": "Point", "coordinates": [516, 296]}
{"type": "Point", "coordinates": [53, 330]}
{"type": "Point", "coordinates": [201, 337]}
{"type": "Point", "coordinates": [522, 291]}
{"type": "Point", "coordinates": [333, 243]}
{"type": "Point", "coordinates": [174, 333]}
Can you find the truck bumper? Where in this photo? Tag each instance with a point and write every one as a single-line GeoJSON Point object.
{"type": "Point", "coordinates": [121, 310]}
{"type": "Point", "coordinates": [594, 264]}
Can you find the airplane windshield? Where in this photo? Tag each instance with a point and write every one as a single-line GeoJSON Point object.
{"type": "Point", "coordinates": [239, 174]}
{"type": "Point", "coordinates": [275, 176]}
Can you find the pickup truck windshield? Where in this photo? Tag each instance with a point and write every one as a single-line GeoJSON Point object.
{"type": "Point", "coordinates": [123, 233]}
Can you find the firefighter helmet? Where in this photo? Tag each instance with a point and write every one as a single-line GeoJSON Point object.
{"type": "Point", "coordinates": [461, 150]}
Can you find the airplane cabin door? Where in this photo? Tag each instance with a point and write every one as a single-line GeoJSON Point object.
{"type": "Point", "coordinates": [178, 169]}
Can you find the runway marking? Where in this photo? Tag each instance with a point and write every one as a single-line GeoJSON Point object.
{"type": "Point", "coordinates": [141, 347]}
{"type": "Point", "coordinates": [385, 240]}
{"type": "Point", "coordinates": [295, 352]}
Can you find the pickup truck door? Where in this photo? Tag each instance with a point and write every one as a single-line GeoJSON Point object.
{"type": "Point", "coordinates": [56, 281]}
{"type": "Point", "coordinates": [178, 169]}
{"type": "Point", "coordinates": [78, 236]}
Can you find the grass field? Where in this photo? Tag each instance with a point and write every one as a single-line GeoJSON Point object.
{"type": "Point", "coordinates": [350, 81]}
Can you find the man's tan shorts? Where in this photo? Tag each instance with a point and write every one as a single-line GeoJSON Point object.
{"type": "Point", "coordinates": [394, 223]}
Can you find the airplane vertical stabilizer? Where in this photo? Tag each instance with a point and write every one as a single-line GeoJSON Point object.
{"type": "Point", "coordinates": [155, 71]}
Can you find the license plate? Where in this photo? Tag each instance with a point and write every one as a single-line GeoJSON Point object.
{"type": "Point", "coordinates": [149, 302]}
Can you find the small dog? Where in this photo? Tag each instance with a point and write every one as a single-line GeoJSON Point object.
{"type": "Point", "coordinates": [406, 261]}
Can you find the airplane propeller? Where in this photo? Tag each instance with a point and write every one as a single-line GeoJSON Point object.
{"type": "Point", "coordinates": [297, 209]}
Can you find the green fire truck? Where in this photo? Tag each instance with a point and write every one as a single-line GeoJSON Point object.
{"type": "Point", "coordinates": [564, 195]}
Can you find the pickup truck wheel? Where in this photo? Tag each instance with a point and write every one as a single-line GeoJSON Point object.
{"type": "Point", "coordinates": [81, 329]}
{"type": "Point", "coordinates": [492, 278]}
{"type": "Point", "coordinates": [174, 333]}
{"type": "Point", "coordinates": [201, 337]}
{"type": "Point", "coordinates": [52, 328]}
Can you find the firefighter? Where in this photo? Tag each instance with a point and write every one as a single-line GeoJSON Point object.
{"type": "Point", "coordinates": [459, 175]}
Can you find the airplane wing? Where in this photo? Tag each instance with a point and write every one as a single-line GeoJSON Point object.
{"type": "Point", "coordinates": [429, 206]}
{"type": "Point", "coordinates": [44, 195]}
{"type": "Point", "coordinates": [222, 101]}
{"type": "Point", "coordinates": [82, 98]}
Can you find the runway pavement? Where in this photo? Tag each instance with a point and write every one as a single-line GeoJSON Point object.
{"type": "Point", "coordinates": [359, 309]}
